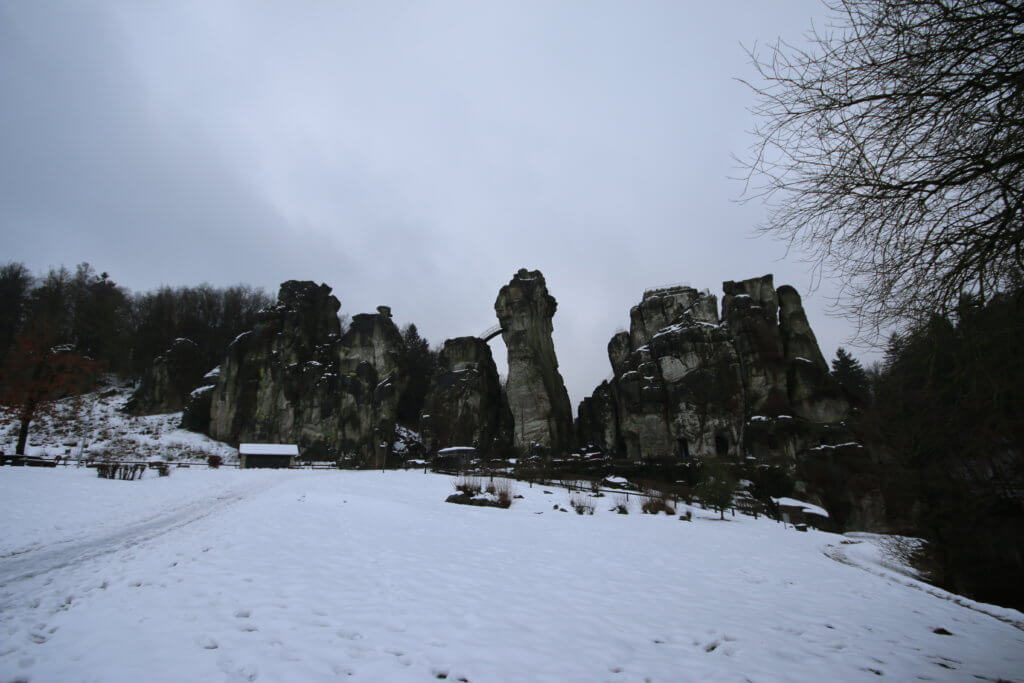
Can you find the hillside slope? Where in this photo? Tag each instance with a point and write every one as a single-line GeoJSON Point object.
{"type": "Point", "coordinates": [97, 420]}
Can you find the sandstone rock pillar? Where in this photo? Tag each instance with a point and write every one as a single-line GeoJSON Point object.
{"type": "Point", "coordinates": [537, 397]}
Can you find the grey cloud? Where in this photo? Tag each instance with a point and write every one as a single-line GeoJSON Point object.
{"type": "Point", "coordinates": [414, 154]}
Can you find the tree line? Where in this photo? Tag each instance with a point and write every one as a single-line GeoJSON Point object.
{"type": "Point", "coordinates": [944, 414]}
{"type": "Point", "coordinates": [120, 330]}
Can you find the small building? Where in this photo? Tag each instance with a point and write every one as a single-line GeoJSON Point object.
{"type": "Point", "coordinates": [454, 458]}
{"type": "Point", "coordinates": [252, 455]}
{"type": "Point", "coordinates": [798, 512]}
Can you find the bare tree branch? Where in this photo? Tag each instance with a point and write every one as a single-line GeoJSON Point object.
{"type": "Point", "coordinates": [891, 152]}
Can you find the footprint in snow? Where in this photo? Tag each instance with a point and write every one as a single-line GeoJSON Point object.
{"type": "Point", "coordinates": [207, 643]}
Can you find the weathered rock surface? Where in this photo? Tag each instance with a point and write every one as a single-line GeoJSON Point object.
{"type": "Point", "coordinates": [688, 383]}
{"type": "Point", "coordinates": [296, 379]}
{"type": "Point", "coordinates": [597, 423]}
{"type": "Point", "coordinates": [464, 405]}
{"type": "Point", "coordinates": [167, 384]}
{"type": "Point", "coordinates": [196, 415]}
{"type": "Point", "coordinates": [751, 387]}
{"type": "Point", "coordinates": [540, 406]}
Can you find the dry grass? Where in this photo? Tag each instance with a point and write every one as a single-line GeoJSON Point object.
{"type": "Point", "coordinates": [471, 486]}
{"type": "Point", "coordinates": [621, 505]}
{"type": "Point", "coordinates": [505, 490]}
{"type": "Point", "coordinates": [581, 504]}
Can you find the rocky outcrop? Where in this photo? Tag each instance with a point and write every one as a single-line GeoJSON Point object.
{"type": "Point", "coordinates": [597, 423]}
{"type": "Point", "coordinates": [166, 385]}
{"type": "Point", "coordinates": [750, 387]}
{"type": "Point", "coordinates": [196, 415]}
{"type": "Point", "coordinates": [811, 390]}
{"type": "Point", "coordinates": [464, 405]}
{"type": "Point", "coordinates": [688, 383]}
{"type": "Point", "coordinates": [536, 393]}
{"type": "Point", "coordinates": [295, 379]}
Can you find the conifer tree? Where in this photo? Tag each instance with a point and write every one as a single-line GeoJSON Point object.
{"type": "Point", "coordinates": [851, 377]}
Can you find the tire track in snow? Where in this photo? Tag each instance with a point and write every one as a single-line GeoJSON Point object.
{"type": "Point", "coordinates": [35, 562]}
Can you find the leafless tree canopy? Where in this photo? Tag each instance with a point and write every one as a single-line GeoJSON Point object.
{"type": "Point", "coordinates": [891, 151]}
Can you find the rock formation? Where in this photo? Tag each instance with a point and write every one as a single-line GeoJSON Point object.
{"type": "Point", "coordinates": [464, 406]}
{"type": "Point", "coordinates": [296, 379]}
{"type": "Point", "coordinates": [537, 398]}
{"type": "Point", "coordinates": [688, 383]}
{"type": "Point", "coordinates": [166, 385]}
{"type": "Point", "coordinates": [751, 387]}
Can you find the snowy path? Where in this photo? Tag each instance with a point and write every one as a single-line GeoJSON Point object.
{"type": "Point", "coordinates": [37, 559]}
{"type": "Point", "coordinates": [369, 576]}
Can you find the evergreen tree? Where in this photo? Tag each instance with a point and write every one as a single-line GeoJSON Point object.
{"type": "Point", "coordinates": [15, 287]}
{"type": "Point", "coordinates": [422, 363]}
{"type": "Point", "coordinates": [717, 485]}
{"type": "Point", "coordinates": [851, 377]}
{"type": "Point", "coordinates": [949, 407]}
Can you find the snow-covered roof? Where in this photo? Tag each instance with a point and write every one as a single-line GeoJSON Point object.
{"type": "Point", "coordinates": [809, 508]}
{"type": "Point", "coordinates": [268, 449]}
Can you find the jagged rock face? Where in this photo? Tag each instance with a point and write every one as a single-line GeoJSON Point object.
{"type": "Point", "coordinates": [689, 384]}
{"type": "Point", "coordinates": [305, 317]}
{"type": "Point", "coordinates": [536, 393]}
{"type": "Point", "coordinates": [464, 405]}
{"type": "Point", "coordinates": [293, 379]}
{"type": "Point", "coordinates": [166, 385]}
{"type": "Point", "coordinates": [196, 415]}
{"type": "Point", "coordinates": [751, 310]}
{"type": "Point", "coordinates": [375, 339]}
{"type": "Point", "coordinates": [752, 387]}
{"type": "Point", "coordinates": [676, 391]}
{"type": "Point", "coordinates": [620, 349]}
{"type": "Point", "coordinates": [660, 308]}
{"type": "Point", "coordinates": [597, 423]}
{"type": "Point", "coordinates": [813, 393]}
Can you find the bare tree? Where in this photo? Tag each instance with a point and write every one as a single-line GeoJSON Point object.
{"type": "Point", "coordinates": [891, 152]}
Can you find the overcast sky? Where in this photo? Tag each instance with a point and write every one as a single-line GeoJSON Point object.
{"type": "Point", "coordinates": [407, 153]}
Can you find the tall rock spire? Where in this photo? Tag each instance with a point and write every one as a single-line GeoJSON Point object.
{"type": "Point", "coordinates": [537, 397]}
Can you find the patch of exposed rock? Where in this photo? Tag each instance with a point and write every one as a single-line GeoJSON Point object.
{"type": "Point", "coordinates": [537, 398]}
{"type": "Point", "coordinates": [295, 379]}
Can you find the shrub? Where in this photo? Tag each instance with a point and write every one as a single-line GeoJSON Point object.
{"type": "Point", "coordinates": [214, 461]}
{"type": "Point", "coordinates": [468, 485]}
{"type": "Point", "coordinates": [505, 491]}
{"type": "Point", "coordinates": [120, 470]}
{"type": "Point", "coordinates": [581, 505]}
{"type": "Point", "coordinates": [621, 505]}
{"type": "Point", "coordinates": [653, 506]}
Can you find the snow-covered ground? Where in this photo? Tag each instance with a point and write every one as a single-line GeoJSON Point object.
{"type": "Point", "coordinates": [228, 575]}
{"type": "Point", "coordinates": [98, 421]}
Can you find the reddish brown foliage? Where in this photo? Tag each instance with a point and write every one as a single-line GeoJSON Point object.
{"type": "Point", "coordinates": [35, 374]}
